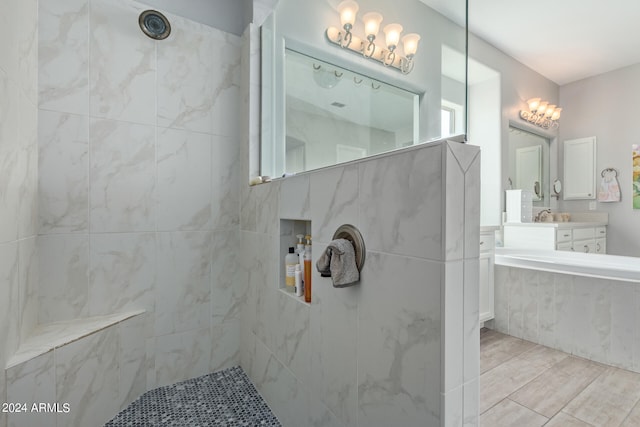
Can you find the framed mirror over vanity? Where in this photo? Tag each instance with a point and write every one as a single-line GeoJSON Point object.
{"type": "Point", "coordinates": [529, 158]}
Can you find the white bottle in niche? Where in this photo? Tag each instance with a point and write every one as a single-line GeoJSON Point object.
{"type": "Point", "coordinates": [290, 262]}
{"type": "Point", "coordinates": [300, 252]}
{"type": "Point", "coordinates": [298, 276]}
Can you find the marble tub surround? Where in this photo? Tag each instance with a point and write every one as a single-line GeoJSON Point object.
{"type": "Point", "coordinates": [374, 354]}
{"type": "Point", "coordinates": [588, 317]}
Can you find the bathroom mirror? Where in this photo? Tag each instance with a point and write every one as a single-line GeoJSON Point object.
{"type": "Point", "coordinates": [334, 115]}
{"type": "Point", "coordinates": [529, 164]}
{"type": "Point", "coordinates": [311, 117]}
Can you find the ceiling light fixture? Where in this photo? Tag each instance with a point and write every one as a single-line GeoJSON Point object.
{"type": "Point", "coordinates": [541, 114]}
{"type": "Point", "coordinates": [388, 54]}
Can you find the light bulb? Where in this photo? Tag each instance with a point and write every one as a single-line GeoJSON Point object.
{"type": "Point", "coordinates": [372, 22]}
{"type": "Point", "coordinates": [392, 35]}
{"type": "Point", "coordinates": [556, 113]}
{"type": "Point", "coordinates": [410, 44]}
{"type": "Point", "coordinates": [533, 104]}
{"type": "Point", "coordinates": [348, 10]}
{"type": "Point", "coordinates": [550, 110]}
{"type": "Point", "coordinates": [542, 107]}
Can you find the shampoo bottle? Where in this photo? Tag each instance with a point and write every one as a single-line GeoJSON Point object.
{"type": "Point", "coordinates": [307, 270]}
{"type": "Point", "coordinates": [299, 288]}
{"type": "Point", "coordinates": [290, 262]}
{"type": "Point", "coordinates": [300, 244]}
{"type": "Point", "coordinates": [300, 252]}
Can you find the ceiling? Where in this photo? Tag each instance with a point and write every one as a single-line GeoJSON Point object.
{"type": "Point", "coordinates": [564, 40]}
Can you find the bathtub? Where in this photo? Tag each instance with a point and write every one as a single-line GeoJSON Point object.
{"type": "Point", "coordinates": [613, 267]}
{"type": "Point", "coordinates": [587, 305]}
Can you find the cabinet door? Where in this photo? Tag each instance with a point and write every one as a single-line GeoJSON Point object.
{"type": "Point", "coordinates": [580, 169]}
{"type": "Point", "coordinates": [486, 287]}
{"type": "Point", "coordinates": [586, 246]}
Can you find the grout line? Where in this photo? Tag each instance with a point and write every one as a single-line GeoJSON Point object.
{"type": "Point", "coordinates": [547, 369]}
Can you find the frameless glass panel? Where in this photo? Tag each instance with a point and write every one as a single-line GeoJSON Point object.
{"type": "Point", "coordinates": [299, 102]}
{"type": "Point", "coordinates": [334, 115]}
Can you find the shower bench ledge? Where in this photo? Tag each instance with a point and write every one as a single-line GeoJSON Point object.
{"type": "Point", "coordinates": [50, 336]}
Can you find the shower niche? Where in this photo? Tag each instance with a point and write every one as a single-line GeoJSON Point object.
{"type": "Point", "coordinates": [290, 232]}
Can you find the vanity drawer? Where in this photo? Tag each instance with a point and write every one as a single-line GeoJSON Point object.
{"type": "Point", "coordinates": [563, 235]}
{"type": "Point", "coordinates": [565, 246]}
{"type": "Point", "coordinates": [601, 232]}
{"type": "Point", "coordinates": [583, 233]}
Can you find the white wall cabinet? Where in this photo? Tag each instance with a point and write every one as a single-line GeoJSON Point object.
{"type": "Point", "coordinates": [580, 168]}
{"type": "Point", "coordinates": [487, 262]}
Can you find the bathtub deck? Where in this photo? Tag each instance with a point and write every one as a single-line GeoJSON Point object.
{"type": "Point", "coordinates": [527, 384]}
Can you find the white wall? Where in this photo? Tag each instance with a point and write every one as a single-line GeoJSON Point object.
{"type": "Point", "coordinates": [606, 107]}
{"type": "Point", "coordinates": [517, 84]}
{"type": "Point", "coordinates": [484, 131]}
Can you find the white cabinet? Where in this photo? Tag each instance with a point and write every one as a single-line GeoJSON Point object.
{"type": "Point", "coordinates": [487, 261]}
{"type": "Point", "coordinates": [580, 169]}
{"type": "Point", "coordinates": [576, 237]}
{"type": "Point", "coordinates": [591, 240]}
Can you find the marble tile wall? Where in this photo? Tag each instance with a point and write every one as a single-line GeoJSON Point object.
{"type": "Point", "coordinates": [589, 317]}
{"type": "Point", "coordinates": [134, 168]}
{"type": "Point", "coordinates": [18, 176]}
{"type": "Point", "coordinates": [372, 354]}
{"type": "Point", "coordinates": [109, 372]}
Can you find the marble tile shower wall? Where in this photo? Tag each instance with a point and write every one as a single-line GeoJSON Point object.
{"type": "Point", "coordinates": [18, 175]}
{"type": "Point", "coordinates": [370, 355]}
{"type": "Point", "coordinates": [139, 208]}
{"type": "Point", "coordinates": [589, 317]}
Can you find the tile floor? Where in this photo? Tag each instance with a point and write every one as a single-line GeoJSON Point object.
{"type": "Point", "coordinates": [523, 384]}
{"type": "Point", "coordinates": [225, 398]}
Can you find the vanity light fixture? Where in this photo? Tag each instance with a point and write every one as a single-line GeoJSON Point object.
{"type": "Point", "coordinates": [542, 114]}
{"type": "Point", "coordinates": [388, 54]}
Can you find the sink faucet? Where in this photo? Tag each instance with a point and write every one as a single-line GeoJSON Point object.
{"type": "Point", "coordinates": [540, 216]}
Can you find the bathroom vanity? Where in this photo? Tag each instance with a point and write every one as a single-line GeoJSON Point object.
{"type": "Point", "coordinates": [588, 237]}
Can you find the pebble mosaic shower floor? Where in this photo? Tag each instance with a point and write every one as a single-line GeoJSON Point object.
{"type": "Point", "coordinates": [226, 398]}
